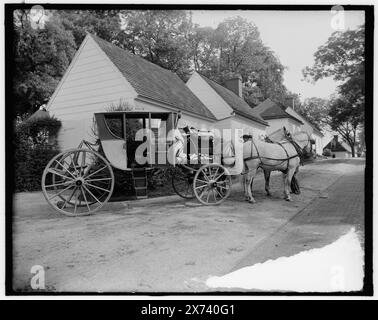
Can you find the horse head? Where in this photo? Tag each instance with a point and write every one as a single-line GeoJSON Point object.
{"type": "Point", "coordinates": [302, 139]}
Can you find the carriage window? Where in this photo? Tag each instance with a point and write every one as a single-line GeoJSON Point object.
{"type": "Point", "coordinates": [114, 124]}
{"type": "Point", "coordinates": [132, 127]}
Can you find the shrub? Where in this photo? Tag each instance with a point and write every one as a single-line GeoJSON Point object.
{"type": "Point", "coordinates": [35, 145]}
{"type": "Point", "coordinates": [327, 152]}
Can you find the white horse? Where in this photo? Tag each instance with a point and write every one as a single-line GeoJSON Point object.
{"type": "Point", "coordinates": [283, 156]}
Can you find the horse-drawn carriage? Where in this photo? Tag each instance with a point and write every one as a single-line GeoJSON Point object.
{"type": "Point", "coordinates": [80, 181]}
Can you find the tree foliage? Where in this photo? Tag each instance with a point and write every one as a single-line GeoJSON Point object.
{"type": "Point", "coordinates": [41, 56]}
{"type": "Point", "coordinates": [315, 110]}
{"type": "Point", "coordinates": [235, 47]}
{"type": "Point", "coordinates": [168, 38]}
{"type": "Point", "coordinates": [342, 57]}
{"type": "Point", "coordinates": [104, 23]}
{"type": "Point", "coordinates": [161, 37]}
{"type": "Point", "coordinates": [344, 120]}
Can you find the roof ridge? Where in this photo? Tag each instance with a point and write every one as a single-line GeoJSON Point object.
{"type": "Point", "coordinates": [127, 51]}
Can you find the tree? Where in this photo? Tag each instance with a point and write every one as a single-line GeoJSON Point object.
{"type": "Point", "coordinates": [167, 38]}
{"type": "Point", "coordinates": [204, 51]}
{"type": "Point", "coordinates": [235, 47]}
{"type": "Point", "coordinates": [315, 110]}
{"type": "Point", "coordinates": [344, 120]}
{"type": "Point", "coordinates": [41, 57]}
{"type": "Point", "coordinates": [161, 37]}
{"type": "Point", "coordinates": [342, 58]}
{"type": "Point", "coordinates": [104, 23]}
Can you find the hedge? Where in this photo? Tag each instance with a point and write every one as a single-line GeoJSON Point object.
{"type": "Point", "coordinates": [35, 145]}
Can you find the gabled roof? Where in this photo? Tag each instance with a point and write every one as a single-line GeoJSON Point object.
{"type": "Point", "coordinates": [336, 145]}
{"type": "Point", "coordinates": [269, 109]}
{"type": "Point", "coordinates": [238, 104]}
{"type": "Point", "coordinates": [152, 81]}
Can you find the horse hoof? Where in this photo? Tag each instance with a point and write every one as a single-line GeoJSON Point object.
{"type": "Point", "coordinates": [252, 201]}
{"type": "Point", "coordinates": [269, 194]}
{"type": "Point", "coordinates": [288, 199]}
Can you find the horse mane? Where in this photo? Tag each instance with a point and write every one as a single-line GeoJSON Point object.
{"type": "Point", "coordinates": [299, 132]}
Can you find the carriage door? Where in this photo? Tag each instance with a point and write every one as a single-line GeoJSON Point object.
{"type": "Point", "coordinates": [111, 134]}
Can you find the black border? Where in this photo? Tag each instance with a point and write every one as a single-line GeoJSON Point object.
{"type": "Point", "coordinates": [9, 114]}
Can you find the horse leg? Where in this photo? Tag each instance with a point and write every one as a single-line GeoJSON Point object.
{"type": "Point", "coordinates": [249, 186]}
{"type": "Point", "coordinates": [267, 180]}
{"type": "Point", "coordinates": [294, 183]}
{"type": "Point", "coordinates": [245, 182]}
{"type": "Point", "coordinates": [287, 181]}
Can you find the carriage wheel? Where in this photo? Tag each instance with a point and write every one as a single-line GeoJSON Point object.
{"type": "Point", "coordinates": [56, 179]}
{"type": "Point", "coordinates": [212, 184]}
{"type": "Point", "coordinates": [78, 182]}
{"type": "Point", "coordinates": [182, 182]}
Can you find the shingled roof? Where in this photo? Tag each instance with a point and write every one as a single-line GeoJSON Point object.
{"type": "Point", "coordinates": [152, 81]}
{"type": "Point", "coordinates": [235, 102]}
{"type": "Point", "coordinates": [269, 109]}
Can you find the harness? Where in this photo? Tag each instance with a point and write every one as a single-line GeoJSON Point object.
{"type": "Point", "coordinates": [290, 140]}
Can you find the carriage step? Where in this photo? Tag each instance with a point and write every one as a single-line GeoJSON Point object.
{"type": "Point", "coordinates": [139, 177]}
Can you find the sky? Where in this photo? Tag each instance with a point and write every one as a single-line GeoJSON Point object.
{"type": "Point", "coordinates": [294, 36]}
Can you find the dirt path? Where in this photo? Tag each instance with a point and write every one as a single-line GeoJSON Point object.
{"type": "Point", "coordinates": [157, 244]}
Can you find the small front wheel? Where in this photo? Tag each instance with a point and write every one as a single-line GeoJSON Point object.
{"type": "Point", "coordinates": [212, 184]}
{"type": "Point", "coordinates": [182, 182]}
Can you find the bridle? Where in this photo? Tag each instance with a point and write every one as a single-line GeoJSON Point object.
{"type": "Point", "coordinates": [297, 147]}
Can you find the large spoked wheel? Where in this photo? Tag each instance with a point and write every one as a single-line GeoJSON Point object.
{"type": "Point", "coordinates": [212, 184]}
{"type": "Point", "coordinates": [182, 182]}
{"type": "Point", "coordinates": [78, 182]}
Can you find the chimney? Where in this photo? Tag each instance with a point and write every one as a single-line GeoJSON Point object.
{"type": "Point", "coordinates": [336, 138]}
{"type": "Point", "coordinates": [235, 85]}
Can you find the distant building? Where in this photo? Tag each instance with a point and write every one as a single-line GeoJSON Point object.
{"type": "Point", "coordinates": [278, 116]}
{"type": "Point", "coordinates": [339, 149]}
{"type": "Point", "coordinates": [275, 114]}
{"type": "Point", "coordinates": [315, 133]}
{"type": "Point", "coordinates": [226, 103]}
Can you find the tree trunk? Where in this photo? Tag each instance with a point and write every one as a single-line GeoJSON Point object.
{"type": "Point", "coordinates": [351, 144]}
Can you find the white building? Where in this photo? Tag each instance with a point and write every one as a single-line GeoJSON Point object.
{"type": "Point", "coordinates": [278, 116]}
{"type": "Point", "coordinates": [339, 148]}
{"type": "Point", "coordinates": [102, 74]}
{"type": "Point", "coordinates": [227, 104]}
